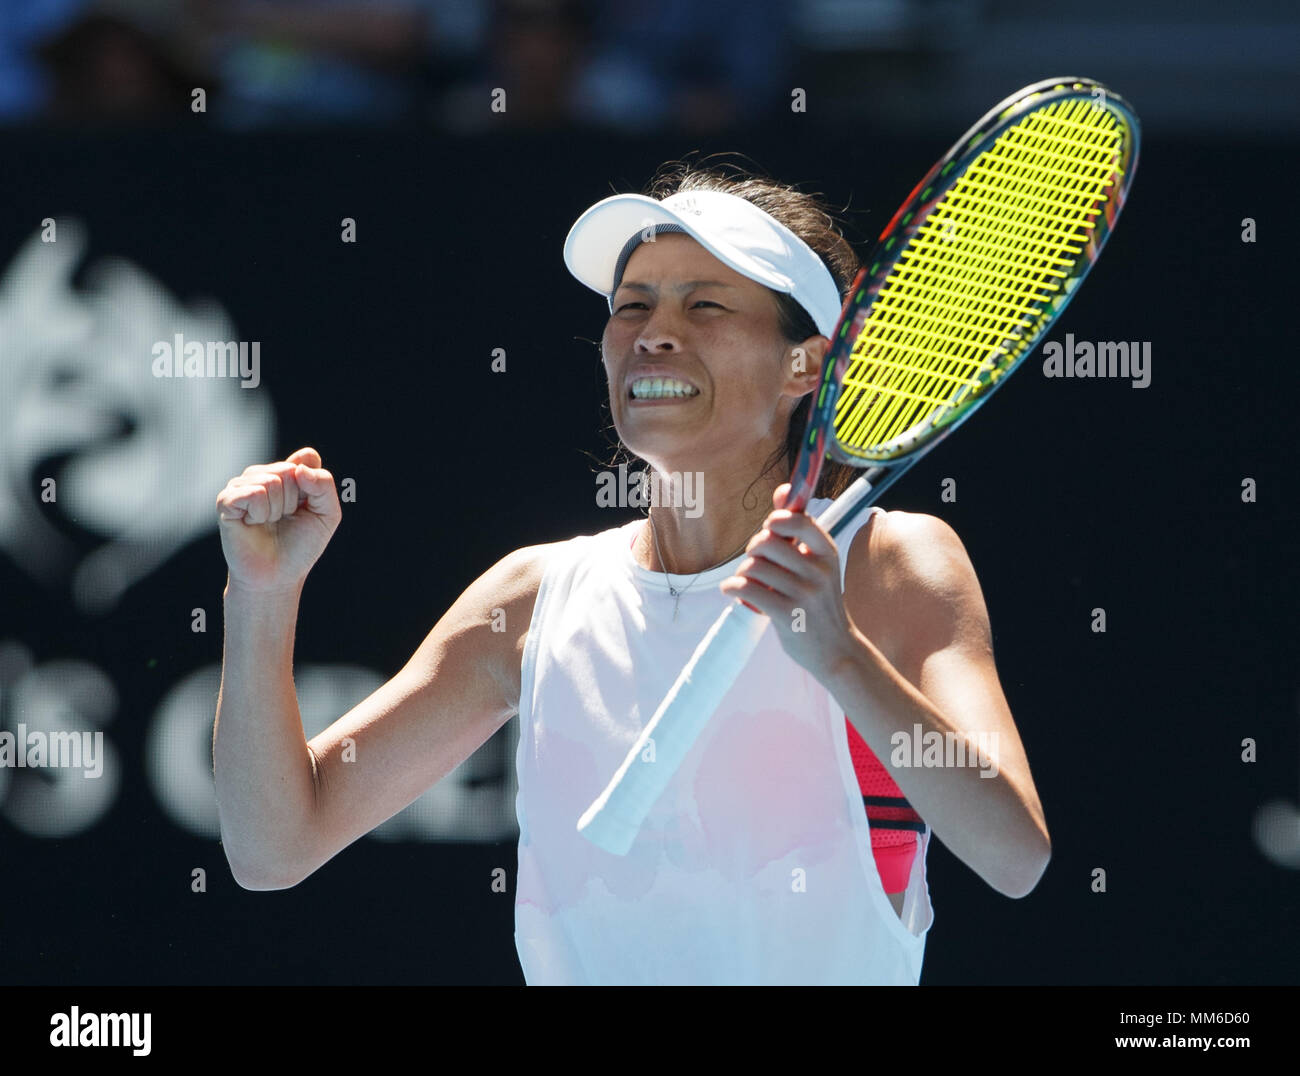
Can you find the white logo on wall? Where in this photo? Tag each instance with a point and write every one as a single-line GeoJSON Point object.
{"type": "Point", "coordinates": [57, 697]}
{"type": "Point", "coordinates": [137, 461]}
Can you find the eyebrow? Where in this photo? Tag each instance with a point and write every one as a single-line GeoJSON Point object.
{"type": "Point", "coordinates": [686, 286]}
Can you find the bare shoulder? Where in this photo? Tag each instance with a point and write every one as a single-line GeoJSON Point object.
{"type": "Point", "coordinates": [910, 585]}
{"type": "Point", "coordinates": [903, 547]}
{"type": "Point", "coordinates": [518, 574]}
{"type": "Point", "coordinates": [499, 605]}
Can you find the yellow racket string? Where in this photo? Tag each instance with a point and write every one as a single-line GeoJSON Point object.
{"type": "Point", "coordinates": [972, 284]}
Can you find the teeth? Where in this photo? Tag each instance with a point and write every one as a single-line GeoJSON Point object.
{"type": "Point", "coordinates": [655, 388]}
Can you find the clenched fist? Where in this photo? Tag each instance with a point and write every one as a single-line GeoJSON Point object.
{"type": "Point", "coordinates": [275, 521]}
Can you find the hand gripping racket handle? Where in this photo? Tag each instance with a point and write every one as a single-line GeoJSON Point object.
{"type": "Point", "coordinates": [612, 821]}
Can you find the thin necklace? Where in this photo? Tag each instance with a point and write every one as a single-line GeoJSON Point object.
{"type": "Point", "coordinates": [677, 594]}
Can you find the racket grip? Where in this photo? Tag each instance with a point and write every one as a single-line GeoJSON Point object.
{"type": "Point", "coordinates": [614, 818]}
{"type": "Point", "coordinates": [842, 511]}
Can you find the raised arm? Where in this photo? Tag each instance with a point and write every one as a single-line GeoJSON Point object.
{"type": "Point", "coordinates": [287, 806]}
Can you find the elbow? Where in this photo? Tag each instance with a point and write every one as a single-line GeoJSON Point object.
{"type": "Point", "coordinates": [257, 862]}
{"type": "Point", "coordinates": [263, 881]}
{"type": "Point", "coordinates": [262, 877]}
{"type": "Point", "coordinates": [1030, 864]}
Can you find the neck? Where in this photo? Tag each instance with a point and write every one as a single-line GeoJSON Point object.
{"type": "Point", "coordinates": [725, 509]}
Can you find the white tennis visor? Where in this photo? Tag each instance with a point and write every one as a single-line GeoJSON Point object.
{"type": "Point", "coordinates": [731, 228]}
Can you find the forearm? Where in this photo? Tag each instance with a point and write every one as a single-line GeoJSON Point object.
{"type": "Point", "coordinates": [262, 767]}
{"type": "Point", "coordinates": [985, 811]}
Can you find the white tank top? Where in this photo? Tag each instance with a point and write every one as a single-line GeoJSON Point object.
{"type": "Point", "coordinates": [755, 866]}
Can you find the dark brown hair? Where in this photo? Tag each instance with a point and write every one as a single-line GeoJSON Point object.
{"type": "Point", "coordinates": [809, 218]}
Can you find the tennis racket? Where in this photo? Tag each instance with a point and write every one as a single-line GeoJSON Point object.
{"type": "Point", "coordinates": [965, 280]}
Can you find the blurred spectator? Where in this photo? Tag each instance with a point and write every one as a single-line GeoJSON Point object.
{"type": "Point", "coordinates": [318, 61]}
{"type": "Point", "coordinates": [630, 65]}
{"type": "Point", "coordinates": [534, 51]}
{"type": "Point", "coordinates": [694, 65]}
{"type": "Point", "coordinates": [112, 63]}
{"type": "Point", "coordinates": [23, 84]}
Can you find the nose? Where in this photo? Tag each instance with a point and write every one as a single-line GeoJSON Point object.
{"type": "Point", "coordinates": [658, 335]}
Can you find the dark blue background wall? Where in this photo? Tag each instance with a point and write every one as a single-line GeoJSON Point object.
{"type": "Point", "coordinates": [1071, 495]}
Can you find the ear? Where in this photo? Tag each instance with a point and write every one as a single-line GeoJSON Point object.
{"type": "Point", "coordinates": [803, 365]}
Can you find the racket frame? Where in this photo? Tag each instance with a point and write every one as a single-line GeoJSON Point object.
{"type": "Point", "coordinates": [885, 464]}
{"type": "Point", "coordinates": [614, 818]}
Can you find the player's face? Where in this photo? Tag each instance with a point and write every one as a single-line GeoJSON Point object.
{"type": "Point", "coordinates": [697, 365]}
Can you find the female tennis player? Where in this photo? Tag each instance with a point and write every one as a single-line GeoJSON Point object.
{"type": "Point", "coordinates": [790, 845]}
